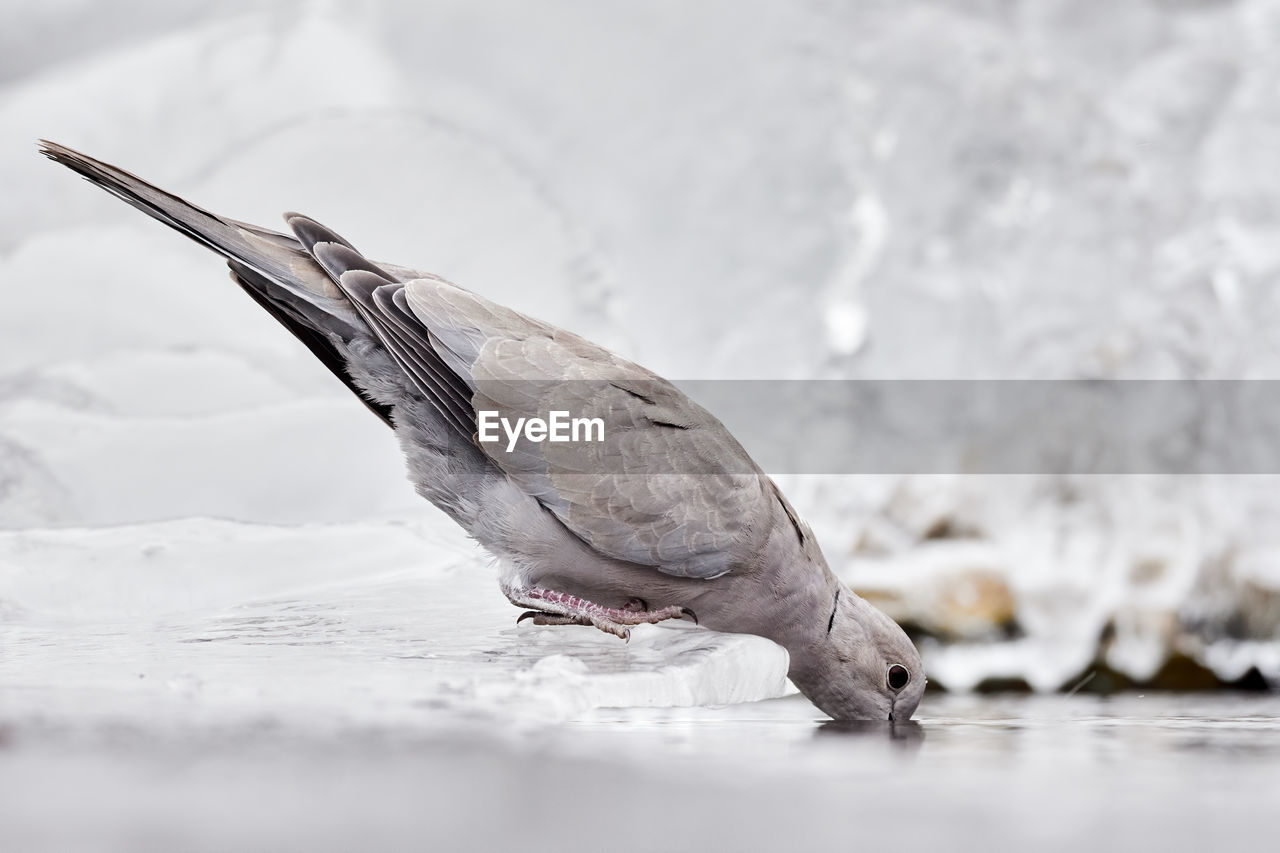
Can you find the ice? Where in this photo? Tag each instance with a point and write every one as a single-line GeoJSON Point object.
{"type": "Point", "coordinates": [1178, 773]}
{"type": "Point", "coordinates": [362, 622]}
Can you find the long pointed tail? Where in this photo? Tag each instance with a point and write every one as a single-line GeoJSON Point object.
{"type": "Point", "coordinates": [272, 268]}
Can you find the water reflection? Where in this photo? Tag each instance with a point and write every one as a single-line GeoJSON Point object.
{"type": "Point", "coordinates": [901, 739]}
{"type": "Point", "coordinates": [909, 733]}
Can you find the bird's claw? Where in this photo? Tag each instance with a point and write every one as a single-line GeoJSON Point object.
{"type": "Point", "coordinates": [557, 608]}
{"type": "Point", "coordinates": [541, 617]}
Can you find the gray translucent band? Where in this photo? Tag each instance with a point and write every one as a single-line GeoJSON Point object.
{"type": "Point", "coordinates": [984, 426]}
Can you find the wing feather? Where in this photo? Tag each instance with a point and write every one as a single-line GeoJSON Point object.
{"type": "Point", "coordinates": [667, 487]}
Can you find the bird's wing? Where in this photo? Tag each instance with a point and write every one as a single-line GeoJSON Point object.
{"type": "Point", "coordinates": [667, 486]}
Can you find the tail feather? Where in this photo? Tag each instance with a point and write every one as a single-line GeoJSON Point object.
{"type": "Point", "coordinates": [279, 257]}
{"type": "Point", "coordinates": [275, 269]}
{"type": "Point", "coordinates": [306, 331]}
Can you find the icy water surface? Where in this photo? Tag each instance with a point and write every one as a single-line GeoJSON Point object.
{"type": "Point", "coordinates": [208, 685]}
{"type": "Point", "coordinates": [211, 686]}
{"type": "Point", "coordinates": [1077, 773]}
{"type": "Point", "coordinates": [205, 685]}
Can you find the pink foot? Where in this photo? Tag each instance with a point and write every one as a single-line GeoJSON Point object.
{"type": "Point", "coordinates": [560, 608]}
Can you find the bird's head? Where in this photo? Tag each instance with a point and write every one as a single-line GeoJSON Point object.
{"type": "Point", "coordinates": [866, 667]}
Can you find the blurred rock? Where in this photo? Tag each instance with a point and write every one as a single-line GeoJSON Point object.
{"type": "Point", "coordinates": [951, 590]}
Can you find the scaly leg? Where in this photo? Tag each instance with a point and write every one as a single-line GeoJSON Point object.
{"type": "Point", "coordinates": [559, 608]}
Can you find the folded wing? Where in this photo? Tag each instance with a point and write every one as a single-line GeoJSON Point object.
{"type": "Point", "coordinates": [667, 487]}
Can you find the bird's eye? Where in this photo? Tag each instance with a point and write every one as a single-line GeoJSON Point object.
{"type": "Point", "coordinates": [898, 676]}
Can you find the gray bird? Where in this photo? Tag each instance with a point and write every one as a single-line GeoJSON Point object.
{"type": "Point", "coordinates": [666, 517]}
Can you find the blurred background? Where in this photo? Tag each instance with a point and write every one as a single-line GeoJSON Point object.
{"type": "Point", "coordinates": [978, 189]}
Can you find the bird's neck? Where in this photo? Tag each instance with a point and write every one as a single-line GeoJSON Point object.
{"type": "Point", "coordinates": [819, 655]}
{"type": "Point", "coordinates": [803, 589]}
